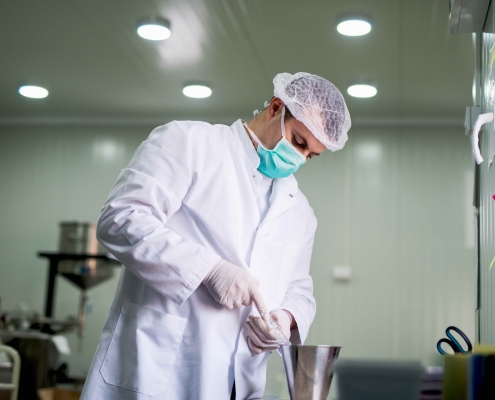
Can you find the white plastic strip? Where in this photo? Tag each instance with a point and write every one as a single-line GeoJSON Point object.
{"type": "Point", "coordinates": [16, 369]}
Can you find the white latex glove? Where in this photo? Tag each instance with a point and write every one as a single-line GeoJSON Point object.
{"type": "Point", "coordinates": [259, 335]}
{"type": "Point", "coordinates": [233, 286]}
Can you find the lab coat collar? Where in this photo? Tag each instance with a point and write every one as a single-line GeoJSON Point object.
{"type": "Point", "coordinates": [290, 183]}
{"type": "Point", "coordinates": [282, 198]}
{"type": "Point", "coordinates": [253, 156]}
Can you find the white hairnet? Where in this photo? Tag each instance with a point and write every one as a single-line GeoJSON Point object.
{"type": "Point", "coordinates": [318, 104]}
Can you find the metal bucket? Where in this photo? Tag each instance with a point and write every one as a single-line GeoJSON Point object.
{"type": "Point", "coordinates": [80, 238]}
{"type": "Point", "coordinates": [309, 370]}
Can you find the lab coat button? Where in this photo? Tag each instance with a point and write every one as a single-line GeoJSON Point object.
{"type": "Point", "coordinates": [291, 195]}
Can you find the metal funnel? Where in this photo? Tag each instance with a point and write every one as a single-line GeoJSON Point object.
{"type": "Point", "coordinates": [309, 370]}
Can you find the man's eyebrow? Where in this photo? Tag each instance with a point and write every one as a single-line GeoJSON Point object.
{"type": "Point", "coordinates": [302, 138]}
{"type": "Point", "coordinates": [305, 142]}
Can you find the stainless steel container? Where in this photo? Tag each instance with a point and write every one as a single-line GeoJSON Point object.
{"type": "Point", "coordinates": [309, 370]}
{"type": "Point", "coordinates": [80, 238]}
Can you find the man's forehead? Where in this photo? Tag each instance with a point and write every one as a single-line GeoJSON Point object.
{"type": "Point", "coordinates": [301, 128]}
{"type": "Point", "coordinates": [308, 135]}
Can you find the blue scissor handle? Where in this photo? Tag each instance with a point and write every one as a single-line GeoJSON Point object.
{"type": "Point", "coordinates": [453, 343]}
{"type": "Point", "coordinates": [442, 351]}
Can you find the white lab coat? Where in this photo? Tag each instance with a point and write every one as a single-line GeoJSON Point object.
{"type": "Point", "coordinates": [187, 199]}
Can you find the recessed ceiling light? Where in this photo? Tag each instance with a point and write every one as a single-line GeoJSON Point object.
{"type": "Point", "coordinates": [154, 29]}
{"type": "Point", "coordinates": [362, 91]}
{"type": "Point", "coordinates": [197, 91]}
{"type": "Point", "coordinates": [354, 27]}
{"type": "Point", "coordinates": [34, 92]}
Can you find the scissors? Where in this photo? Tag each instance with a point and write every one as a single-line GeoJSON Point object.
{"type": "Point", "coordinates": [453, 343]}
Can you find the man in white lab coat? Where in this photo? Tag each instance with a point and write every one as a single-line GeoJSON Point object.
{"type": "Point", "coordinates": [207, 220]}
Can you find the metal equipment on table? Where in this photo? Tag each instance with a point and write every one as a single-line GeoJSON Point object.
{"type": "Point", "coordinates": [81, 275]}
{"type": "Point", "coordinates": [85, 263]}
{"type": "Point", "coordinates": [309, 370]}
{"type": "Point", "coordinates": [14, 368]}
{"type": "Point", "coordinates": [39, 358]}
{"type": "Point", "coordinates": [81, 260]}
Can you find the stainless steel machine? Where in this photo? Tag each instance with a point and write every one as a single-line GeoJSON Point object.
{"type": "Point", "coordinates": [83, 261]}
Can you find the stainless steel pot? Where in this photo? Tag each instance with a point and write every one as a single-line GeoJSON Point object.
{"type": "Point", "coordinates": [80, 238]}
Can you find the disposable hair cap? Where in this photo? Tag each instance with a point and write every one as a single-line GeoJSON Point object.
{"type": "Point", "coordinates": [318, 104]}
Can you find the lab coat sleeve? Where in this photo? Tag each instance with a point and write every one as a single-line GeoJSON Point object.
{"type": "Point", "coordinates": [133, 222]}
{"type": "Point", "coordinates": [299, 300]}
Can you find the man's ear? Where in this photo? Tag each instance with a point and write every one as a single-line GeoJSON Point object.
{"type": "Point", "coordinates": [273, 108]}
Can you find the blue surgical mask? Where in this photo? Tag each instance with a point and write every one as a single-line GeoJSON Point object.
{"type": "Point", "coordinates": [283, 160]}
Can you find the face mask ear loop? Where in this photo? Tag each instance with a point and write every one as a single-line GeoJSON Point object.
{"type": "Point", "coordinates": [252, 134]}
{"type": "Point", "coordinates": [282, 122]}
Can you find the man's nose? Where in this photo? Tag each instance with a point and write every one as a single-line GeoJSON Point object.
{"type": "Point", "coordinates": [306, 153]}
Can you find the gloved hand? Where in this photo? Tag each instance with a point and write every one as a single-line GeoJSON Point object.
{"type": "Point", "coordinates": [232, 286]}
{"type": "Point", "coordinates": [261, 337]}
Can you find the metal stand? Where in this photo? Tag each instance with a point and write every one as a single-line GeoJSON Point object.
{"type": "Point", "coordinates": [54, 259]}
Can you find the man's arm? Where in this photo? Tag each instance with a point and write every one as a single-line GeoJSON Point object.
{"type": "Point", "coordinates": [133, 222]}
{"type": "Point", "coordinates": [299, 300]}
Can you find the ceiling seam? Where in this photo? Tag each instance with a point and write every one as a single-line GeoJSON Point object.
{"type": "Point", "coordinates": [244, 27]}
{"type": "Point", "coordinates": [115, 121]}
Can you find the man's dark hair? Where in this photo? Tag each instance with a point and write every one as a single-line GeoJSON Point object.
{"type": "Point", "coordinates": [288, 115]}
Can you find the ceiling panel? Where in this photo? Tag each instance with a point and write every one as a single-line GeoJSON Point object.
{"type": "Point", "coordinates": [94, 64]}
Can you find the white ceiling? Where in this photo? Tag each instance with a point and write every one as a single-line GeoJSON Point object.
{"type": "Point", "coordinates": [88, 55]}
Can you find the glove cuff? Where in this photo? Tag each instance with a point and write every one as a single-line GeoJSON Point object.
{"type": "Point", "coordinates": [291, 318]}
{"type": "Point", "coordinates": [217, 264]}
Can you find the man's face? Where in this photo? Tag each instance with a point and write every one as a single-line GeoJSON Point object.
{"type": "Point", "coordinates": [295, 132]}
